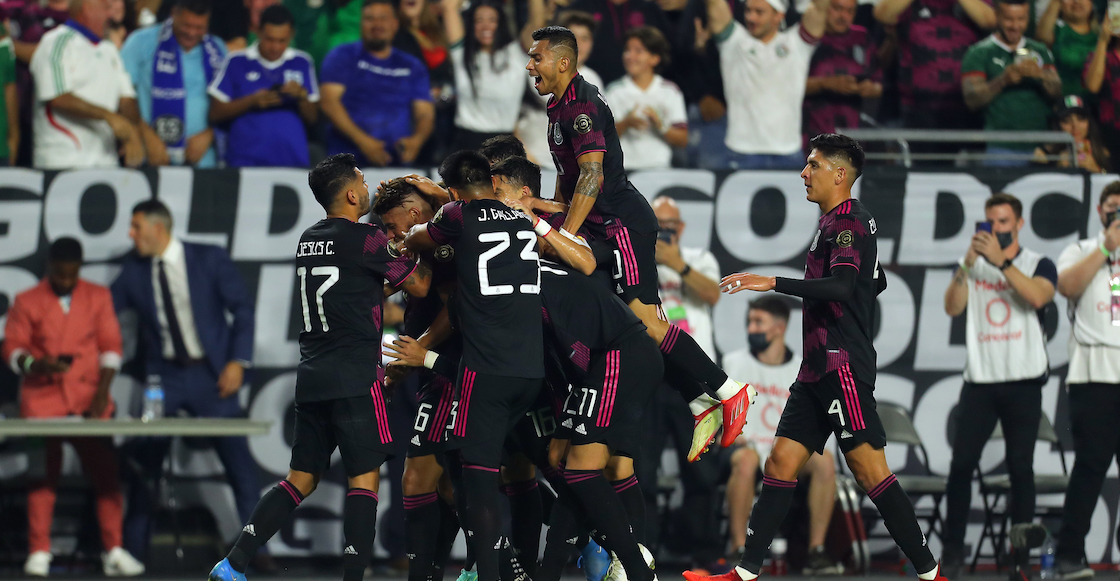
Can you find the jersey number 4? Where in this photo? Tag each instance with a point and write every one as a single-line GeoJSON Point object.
{"type": "Point", "coordinates": [332, 273]}
{"type": "Point", "coordinates": [528, 253]}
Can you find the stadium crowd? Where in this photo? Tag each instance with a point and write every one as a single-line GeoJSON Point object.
{"type": "Point", "coordinates": [693, 83]}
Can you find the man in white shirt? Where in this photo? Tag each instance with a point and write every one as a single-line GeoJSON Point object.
{"type": "Point", "coordinates": [1085, 274]}
{"type": "Point", "coordinates": [771, 366]}
{"type": "Point", "coordinates": [764, 74]}
{"type": "Point", "coordinates": [1001, 288]}
{"type": "Point", "coordinates": [650, 111]}
{"type": "Point", "coordinates": [84, 100]}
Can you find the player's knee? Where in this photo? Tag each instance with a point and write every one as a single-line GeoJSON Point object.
{"type": "Point", "coordinates": [518, 469]}
{"type": "Point", "coordinates": [304, 482]}
{"type": "Point", "coordinates": [416, 480]}
{"type": "Point", "coordinates": [619, 468]}
{"type": "Point", "coordinates": [781, 466]}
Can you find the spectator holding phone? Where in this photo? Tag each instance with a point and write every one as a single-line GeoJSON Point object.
{"type": "Point", "coordinates": [1089, 152]}
{"type": "Point", "coordinates": [1102, 78]}
{"type": "Point", "coordinates": [844, 71]}
{"type": "Point", "coordinates": [63, 339]}
{"type": "Point", "coordinates": [267, 93]}
{"type": "Point", "coordinates": [1069, 28]}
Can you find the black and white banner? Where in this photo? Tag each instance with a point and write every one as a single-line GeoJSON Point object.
{"type": "Point", "coordinates": [758, 220]}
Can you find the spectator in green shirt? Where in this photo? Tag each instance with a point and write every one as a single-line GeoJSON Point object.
{"type": "Point", "coordinates": [1012, 79]}
{"type": "Point", "coordinates": [1070, 30]}
{"type": "Point", "coordinates": [9, 108]}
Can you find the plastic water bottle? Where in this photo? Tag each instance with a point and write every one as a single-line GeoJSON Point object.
{"type": "Point", "coordinates": [1046, 561]}
{"type": "Point", "coordinates": [778, 565]}
{"type": "Point", "coordinates": [153, 400]}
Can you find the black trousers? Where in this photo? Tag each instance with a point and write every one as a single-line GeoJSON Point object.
{"type": "Point", "coordinates": [1017, 405]}
{"type": "Point", "coordinates": [1094, 417]}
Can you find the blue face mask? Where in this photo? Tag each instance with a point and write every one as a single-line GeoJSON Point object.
{"type": "Point", "coordinates": [1004, 239]}
{"type": "Point", "coordinates": [758, 342]}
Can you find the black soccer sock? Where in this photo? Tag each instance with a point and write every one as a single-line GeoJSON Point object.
{"type": "Point", "coordinates": [448, 531]}
{"type": "Point", "coordinates": [898, 516]}
{"type": "Point", "coordinates": [564, 531]}
{"type": "Point", "coordinates": [685, 355]}
{"type": "Point", "coordinates": [359, 525]}
{"type": "Point", "coordinates": [768, 514]}
{"type": "Point", "coordinates": [268, 516]}
{"type": "Point", "coordinates": [527, 516]}
{"type": "Point", "coordinates": [483, 517]}
{"type": "Point", "coordinates": [422, 528]}
{"type": "Point", "coordinates": [635, 504]}
{"type": "Point", "coordinates": [606, 513]}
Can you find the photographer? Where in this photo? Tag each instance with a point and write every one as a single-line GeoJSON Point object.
{"type": "Point", "coordinates": [1085, 273]}
{"type": "Point", "coordinates": [1003, 287]}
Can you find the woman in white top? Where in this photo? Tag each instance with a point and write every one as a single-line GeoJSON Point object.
{"type": "Point", "coordinates": [489, 68]}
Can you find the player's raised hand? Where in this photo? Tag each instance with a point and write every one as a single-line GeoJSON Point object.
{"type": "Point", "coordinates": [427, 186]}
{"type": "Point", "coordinates": [407, 351]}
{"type": "Point", "coordinates": [734, 283]}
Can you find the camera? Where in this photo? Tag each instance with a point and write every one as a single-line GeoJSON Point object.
{"type": "Point", "coordinates": [665, 235]}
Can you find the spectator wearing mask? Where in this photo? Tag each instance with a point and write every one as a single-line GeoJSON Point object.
{"type": "Point", "coordinates": [1089, 152]}
{"type": "Point", "coordinates": [1001, 288]}
{"type": "Point", "coordinates": [933, 36]}
{"type": "Point", "coordinates": [268, 94]}
{"type": "Point", "coordinates": [765, 71]}
{"type": "Point", "coordinates": [1093, 378]}
{"type": "Point", "coordinates": [652, 117]}
{"type": "Point", "coordinates": [489, 70]}
{"type": "Point", "coordinates": [376, 97]}
{"type": "Point", "coordinates": [9, 107]}
{"type": "Point", "coordinates": [1102, 78]}
{"type": "Point", "coordinates": [1070, 30]}
{"type": "Point", "coordinates": [844, 71]}
{"type": "Point", "coordinates": [614, 18]}
{"type": "Point", "coordinates": [171, 65]}
{"type": "Point", "coordinates": [62, 337]}
{"type": "Point", "coordinates": [771, 366]}
{"type": "Point", "coordinates": [1012, 79]}
{"type": "Point", "coordinates": [84, 101]}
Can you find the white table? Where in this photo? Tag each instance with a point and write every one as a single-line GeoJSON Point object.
{"type": "Point", "coordinates": [75, 427]}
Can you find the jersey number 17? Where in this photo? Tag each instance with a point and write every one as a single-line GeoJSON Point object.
{"type": "Point", "coordinates": [332, 274]}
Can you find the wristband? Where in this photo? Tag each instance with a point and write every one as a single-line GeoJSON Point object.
{"type": "Point", "coordinates": [542, 228]}
{"type": "Point", "coordinates": [684, 271]}
{"type": "Point", "coordinates": [430, 359]}
{"type": "Point", "coordinates": [1006, 265]}
{"type": "Point", "coordinates": [1105, 251]}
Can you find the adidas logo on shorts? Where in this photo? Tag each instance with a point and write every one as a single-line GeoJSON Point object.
{"type": "Point", "coordinates": [349, 550]}
{"type": "Point", "coordinates": [572, 540]}
{"type": "Point", "coordinates": [581, 430]}
{"type": "Point", "coordinates": [415, 440]}
{"type": "Point", "coordinates": [567, 423]}
{"type": "Point", "coordinates": [845, 435]}
{"type": "Point", "coordinates": [249, 529]}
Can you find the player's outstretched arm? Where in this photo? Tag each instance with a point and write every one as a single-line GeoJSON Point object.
{"type": "Point", "coordinates": [837, 287]}
{"type": "Point", "coordinates": [418, 239]}
{"type": "Point", "coordinates": [418, 283]}
{"type": "Point", "coordinates": [587, 190]}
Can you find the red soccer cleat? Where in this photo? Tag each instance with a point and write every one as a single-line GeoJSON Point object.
{"type": "Point", "coordinates": [735, 414]}
{"type": "Point", "coordinates": [731, 575]}
{"type": "Point", "coordinates": [940, 577]}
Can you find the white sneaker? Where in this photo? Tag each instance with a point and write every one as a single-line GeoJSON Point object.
{"type": "Point", "coordinates": [616, 572]}
{"type": "Point", "coordinates": [119, 563]}
{"type": "Point", "coordinates": [38, 564]}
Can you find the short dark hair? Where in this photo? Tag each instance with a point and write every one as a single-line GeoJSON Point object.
{"type": "Point", "coordinates": [653, 40]}
{"type": "Point", "coordinates": [772, 304]}
{"type": "Point", "coordinates": [330, 176]}
{"type": "Point", "coordinates": [200, 7]}
{"type": "Point", "coordinates": [395, 192]}
{"type": "Point", "coordinates": [1002, 198]}
{"type": "Point", "coordinates": [578, 18]}
{"type": "Point", "coordinates": [465, 169]}
{"type": "Point", "coordinates": [833, 145]}
{"type": "Point", "coordinates": [558, 36]}
{"type": "Point", "coordinates": [1108, 191]}
{"type": "Point", "coordinates": [277, 15]}
{"type": "Point", "coordinates": [521, 172]}
{"type": "Point", "coordinates": [154, 209]}
{"type": "Point", "coordinates": [65, 249]}
{"type": "Point", "coordinates": [390, 3]}
{"type": "Point", "coordinates": [502, 147]}
{"type": "Point", "coordinates": [1012, 2]}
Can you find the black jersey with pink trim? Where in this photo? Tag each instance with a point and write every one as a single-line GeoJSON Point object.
{"type": "Point", "coordinates": [838, 335]}
{"type": "Point", "coordinates": [580, 122]}
{"type": "Point", "coordinates": [497, 302]}
{"type": "Point", "coordinates": [341, 268]}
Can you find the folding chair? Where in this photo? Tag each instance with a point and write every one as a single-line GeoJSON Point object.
{"type": "Point", "coordinates": [998, 487]}
{"type": "Point", "coordinates": [900, 430]}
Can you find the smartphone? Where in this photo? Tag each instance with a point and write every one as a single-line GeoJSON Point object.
{"type": "Point", "coordinates": [984, 227]}
{"type": "Point", "coordinates": [665, 235]}
{"type": "Point", "coordinates": [1111, 217]}
{"type": "Point", "coordinates": [1114, 15]}
{"type": "Point", "coordinates": [67, 359]}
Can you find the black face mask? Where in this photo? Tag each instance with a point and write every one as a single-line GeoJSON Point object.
{"type": "Point", "coordinates": [1004, 239]}
{"type": "Point", "coordinates": [758, 342]}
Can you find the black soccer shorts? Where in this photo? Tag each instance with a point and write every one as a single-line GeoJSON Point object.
{"type": "Point", "coordinates": [534, 431]}
{"type": "Point", "coordinates": [489, 406]}
{"type": "Point", "coordinates": [606, 407]}
{"type": "Point", "coordinates": [434, 410]}
{"type": "Point", "coordinates": [837, 404]}
{"type": "Point", "coordinates": [357, 426]}
{"type": "Point", "coordinates": [635, 266]}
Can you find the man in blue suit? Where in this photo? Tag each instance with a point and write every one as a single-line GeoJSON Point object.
{"type": "Point", "coordinates": [181, 293]}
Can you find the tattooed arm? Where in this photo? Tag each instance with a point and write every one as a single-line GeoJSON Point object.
{"type": "Point", "coordinates": [979, 91]}
{"type": "Point", "coordinates": [588, 186]}
{"type": "Point", "coordinates": [418, 283]}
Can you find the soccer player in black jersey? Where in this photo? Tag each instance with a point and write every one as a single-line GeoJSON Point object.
{"type": "Point", "coordinates": [588, 158]}
{"type": "Point", "coordinates": [342, 266]}
{"type": "Point", "coordinates": [497, 306]}
{"type": "Point", "coordinates": [834, 391]}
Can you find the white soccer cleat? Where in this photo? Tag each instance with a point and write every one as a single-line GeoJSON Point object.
{"type": "Point", "coordinates": [616, 572]}
{"type": "Point", "coordinates": [704, 430]}
{"type": "Point", "coordinates": [120, 563]}
{"type": "Point", "coordinates": [38, 564]}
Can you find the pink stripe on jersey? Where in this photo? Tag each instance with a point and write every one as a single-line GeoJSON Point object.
{"type": "Point", "coordinates": [291, 490]}
{"type": "Point", "coordinates": [411, 502]}
{"type": "Point", "coordinates": [443, 410]}
{"type": "Point", "coordinates": [384, 433]}
{"type": "Point", "coordinates": [778, 483]}
{"type": "Point", "coordinates": [478, 467]}
{"type": "Point", "coordinates": [464, 403]}
{"type": "Point", "coordinates": [846, 372]}
{"type": "Point", "coordinates": [362, 492]}
{"type": "Point", "coordinates": [670, 339]}
{"type": "Point", "coordinates": [610, 390]}
{"type": "Point", "coordinates": [881, 487]}
{"type": "Point", "coordinates": [626, 484]}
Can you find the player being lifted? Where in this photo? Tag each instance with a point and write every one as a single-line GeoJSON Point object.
{"type": "Point", "coordinates": [342, 267]}
{"type": "Point", "coordinates": [834, 391]}
{"type": "Point", "coordinates": [588, 158]}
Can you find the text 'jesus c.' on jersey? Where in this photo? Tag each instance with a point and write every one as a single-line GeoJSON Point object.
{"type": "Point", "coordinates": [497, 301]}
{"type": "Point", "coordinates": [341, 269]}
{"type": "Point", "coordinates": [838, 335]}
{"type": "Point", "coordinates": [580, 122]}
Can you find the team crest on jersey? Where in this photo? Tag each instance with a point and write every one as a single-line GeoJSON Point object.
{"type": "Point", "coordinates": [391, 247]}
{"type": "Point", "coordinates": [444, 253]}
{"type": "Point", "coordinates": [813, 247]}
{"type": "Point", "coordinates": [557, 135]}
{"type": "Point", "coordinates": [582, 124]}
{"type": "Point", "coordinates": [844, 239]}
{"type": "Point", "coordinates": [252, 76]}
{"type": "Point", "coordinates": [782, 51]}
{"type": "Point", "coordinates": [290, 75]}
